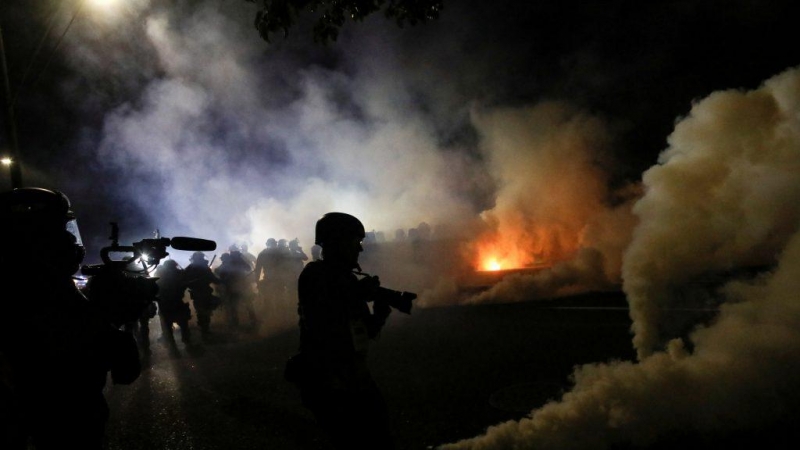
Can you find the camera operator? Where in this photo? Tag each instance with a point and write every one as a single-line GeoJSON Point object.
{"type": "Point", "coordinates": [56, 348]}
{"type": "Point", "coordinates": [335, 326]}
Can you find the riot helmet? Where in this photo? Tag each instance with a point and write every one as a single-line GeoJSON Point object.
{"type": "Point", "coordinates": [42, 220]}
{"type": "Point", "coordinates": [337, 226]}
{"type": "Point", "coordinates": [198, 257]}
{"type": "Point", "coordinates": [272, 243]}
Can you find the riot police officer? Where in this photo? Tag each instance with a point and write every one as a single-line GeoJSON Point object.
{"type": "Point", "coordinates": [294, 263]}
{"type": "Point", "coordinates": [199, 279]}
{"type": "Point", "coordinates": [57, 349]}
{"type": "Point", "coordinates": [336, 325]}
{"type": "Point", "coordinates": [171, 307]}
{"type": "Point", "coordinates": [236, 275]}
{"type": "Point", "coordinates": [265, 273]}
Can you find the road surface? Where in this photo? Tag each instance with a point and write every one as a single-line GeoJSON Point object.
{"type": "Point", "coordinates": [447, 374]}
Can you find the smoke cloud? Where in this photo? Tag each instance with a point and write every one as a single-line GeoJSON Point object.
{"type": "Point", "coordinates": [554, 212]}
{"type": "Point", "coordinates": [222, 137]}
{"type": "Point", "coordinates": [723, 196]}
{"type": "Point", "coordinates": [225, 146]}
{"type": "Point", "coordinates": [553, 205]}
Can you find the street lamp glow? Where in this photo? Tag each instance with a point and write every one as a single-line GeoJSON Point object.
{"type": "Point", "coordinates": [102, 2]}
{"type": "Point", "coordinates": [108, 12]}
{"type": "Point", "coordinates": [6, 161]}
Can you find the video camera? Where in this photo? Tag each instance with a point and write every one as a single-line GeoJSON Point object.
{"type": "Point", "coordinates": [122, 289]}
{"type": "Point", "coordinates": [399, 300]}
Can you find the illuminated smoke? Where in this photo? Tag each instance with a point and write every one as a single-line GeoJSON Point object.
{"type": "Point", "coordinates": [553, 208]}
{"type": "Point", "coordinates": [724, 195]}
{"type": "Point", "coordinates": [231, 140]}
{"type": "Point", "coordinates": [225, 146]}
{"type": "Point", "coordinates": [549, 181]}
{"type": "Point", "coordinates": [226, 138]}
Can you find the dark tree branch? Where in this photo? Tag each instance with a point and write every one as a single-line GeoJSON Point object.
{"type": "Point", "coordinates": [278, 16]}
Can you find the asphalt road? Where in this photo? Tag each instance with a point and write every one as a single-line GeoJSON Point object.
{"type": "Point", "coordinates": [446, 373]}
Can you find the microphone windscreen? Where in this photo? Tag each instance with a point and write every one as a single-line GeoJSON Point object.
{"type": "Point", "coordinates": [193, 244]}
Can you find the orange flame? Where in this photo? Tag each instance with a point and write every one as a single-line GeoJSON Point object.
{"type": "Point", "coordinates": [517, 248]}
{"type": "Point", "coordinates": [492, 264]}
{"type": "Point", "coordinates": [493, 255]}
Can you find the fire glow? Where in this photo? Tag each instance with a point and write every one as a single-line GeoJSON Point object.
{"type": "Point", "coordinates": [492, 264]}
{"type": "Point", "coordinates": [496, 256]}
{"type": "Point", "coordinates": [517, 248]}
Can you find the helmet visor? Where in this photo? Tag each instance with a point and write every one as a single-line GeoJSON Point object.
{"type": "Point", "coordinates": [72, 227]}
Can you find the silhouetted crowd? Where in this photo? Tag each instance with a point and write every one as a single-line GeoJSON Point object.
{"type": "Point", "coordinates": [59, 342]}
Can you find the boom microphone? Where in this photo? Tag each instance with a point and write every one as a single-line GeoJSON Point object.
{"type": "Point", "coordinates": [192, 244]}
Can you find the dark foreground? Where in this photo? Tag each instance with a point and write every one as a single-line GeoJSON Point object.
{"type": "Point", "coordinates": [446, 373]}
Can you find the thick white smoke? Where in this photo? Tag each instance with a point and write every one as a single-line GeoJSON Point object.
{"type": "Point", "coordinates": [724, 195]}
{"type": "Point", "coordinates": [232, 140]}
{"type": "Point", "coordinates": [225, 146]}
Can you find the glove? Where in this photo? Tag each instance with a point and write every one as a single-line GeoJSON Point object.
{"type": "Point", "coordinates": [369, 285]}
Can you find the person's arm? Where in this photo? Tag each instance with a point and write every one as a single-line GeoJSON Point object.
{"type": "Point", "coordinates": [376, 319]}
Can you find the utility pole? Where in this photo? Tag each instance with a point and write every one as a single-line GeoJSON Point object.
{"type": "Point", "coordinates": [16, 163]}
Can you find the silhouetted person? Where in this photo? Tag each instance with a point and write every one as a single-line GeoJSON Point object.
{"type": "Point", "coordinates": [420, 244]}
{"type": "Point", "coordinates": [249, 257]}
{"type": "Point", "coordinates": [296, 260]}
{"type": "Point", "coordinates": [423, 231]}
{"type": "Point", "coordinates": [298, 256]}
{"type": "Point", "coordinates": [199, 279]}
{"type": "Point", "coordinates": [265, 273]}
{"type": "Point", "coordinates": [285, 273]}
{"type": "Point", "coordinates": [56, 347]}
{"type": "Point", "coordinates": [235, 274]}
{"type": "Point", "coordinates": [336, 325]}
{"type": "Point", "coordinates": [171, 307]}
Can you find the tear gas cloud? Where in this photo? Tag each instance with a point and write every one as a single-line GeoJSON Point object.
{"type": "Point", "coordinates": [230, 140]}
{"type": "Point", "coordinates": [723, 195]}
{"type": "Point", "coordinates": [553, 206]}
{"type": "Point", "coordinates": [210, 152]}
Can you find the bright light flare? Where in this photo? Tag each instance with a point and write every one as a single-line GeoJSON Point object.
{"type": "Point", "coordinates": [492, 264]}
{"type": "Point", "coordinates": [105, 9]}
{"type": "Point", "coordinates": [494, 255]}
{"type": "Point", "coordinates": [103, 4]}
{"type": "Point", "coordinates": [515, 246]}
{"type": "Point", "coordinates": [6, 161]}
